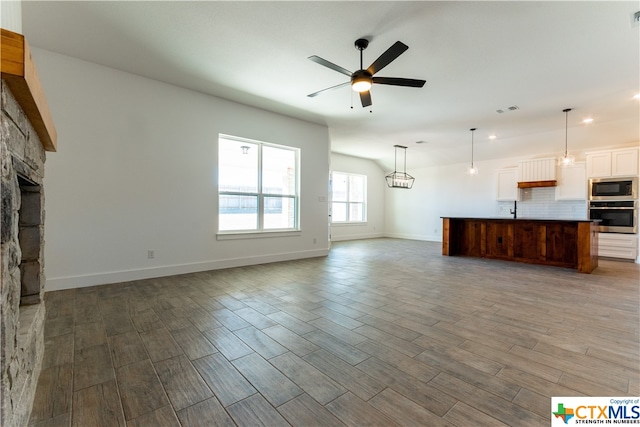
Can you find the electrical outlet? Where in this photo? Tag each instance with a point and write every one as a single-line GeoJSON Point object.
{"type": "Point", "coordinates": [315, 240]}
{"type": "Point", "coordinates": [151, 254]}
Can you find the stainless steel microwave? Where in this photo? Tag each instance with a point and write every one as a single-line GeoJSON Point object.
{"type": "Point", "coordinates": [613, 188]}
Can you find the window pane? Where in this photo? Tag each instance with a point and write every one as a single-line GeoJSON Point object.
{"type": "Point", "coordinates": [349, 197]}
{"type": "Point", "coordinates": [278, 171]}
{"type": "Point", "coordinates": [339, 184]}
{"type": "Point", "coordinates": [356, 212]}
{"type": "Point", "coordinates": [238, 166]}
{"type": "Point", "coordinates": [238, 212]}
{"type": "Point", "coordinates": [356, 188]}
{"type": "Point", "coordinates": [338, 212]}
{"type": "Point", "coordinates": [279, 213]}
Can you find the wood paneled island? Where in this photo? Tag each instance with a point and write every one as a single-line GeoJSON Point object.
{"type": "Point", "coordinates": [562, 243]}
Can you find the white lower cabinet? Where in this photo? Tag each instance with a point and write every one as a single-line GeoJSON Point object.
{"type": "Point", "coordinates": [618, 245]}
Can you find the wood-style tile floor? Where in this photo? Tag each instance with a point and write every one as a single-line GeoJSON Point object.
{"type": "Point", "coordinates": [381, 332]}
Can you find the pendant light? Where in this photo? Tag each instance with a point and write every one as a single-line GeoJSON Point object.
{"type": "Point", "coordinates": [400, 179]}
{"type": "Point", "coordinates": [566, 159]}
{"type": "Point", "coordinates": [473, 170]}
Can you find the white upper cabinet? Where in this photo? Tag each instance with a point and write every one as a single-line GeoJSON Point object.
{"type": "Point", "coordinates": [599, 164]}
{"type": "Point", "coordinates": [612, 163]}
{"type": "Point", "coordinates": [624, 162]}
{"type": "Point", "coordinates": [572, 182]}
{"type": "Point", "coordinates": [537, 170]}
{"type": "Point", "coordinates": [507, 185]}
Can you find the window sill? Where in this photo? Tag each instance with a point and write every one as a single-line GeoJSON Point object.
{"type": "Point", "coordinates": [257, 235]}
{"type": "Point", "coordinates": [344, 224]}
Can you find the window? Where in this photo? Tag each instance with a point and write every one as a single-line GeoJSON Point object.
{"type": "Point", "coordinates": [348, 197]}
{"type": "Point", "coordinates": [257, 186]}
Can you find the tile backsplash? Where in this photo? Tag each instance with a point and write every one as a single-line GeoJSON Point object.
{"type": "Point", "coordinates": [541, 203]}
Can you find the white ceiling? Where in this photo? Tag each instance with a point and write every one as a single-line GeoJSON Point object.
{"type": "Point", "coordinates": [475, 56]}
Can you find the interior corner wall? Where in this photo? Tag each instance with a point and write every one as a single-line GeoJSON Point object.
{"type": "Point", "coordinates": [441, 191]}
{"type": "Point", "coordinates": [374, 226]}
{"type": "Point", "coordinates": [136, 171]}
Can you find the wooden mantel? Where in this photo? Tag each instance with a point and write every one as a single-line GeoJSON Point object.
{"type": "Point", "coordinates": [19, 72]}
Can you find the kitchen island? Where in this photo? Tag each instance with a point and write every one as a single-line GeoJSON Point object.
{"type": "Point", "coordinates": [561, 243]}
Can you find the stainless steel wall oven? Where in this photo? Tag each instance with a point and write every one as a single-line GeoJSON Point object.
{"type": "Point", "coordinates": [616, 216]}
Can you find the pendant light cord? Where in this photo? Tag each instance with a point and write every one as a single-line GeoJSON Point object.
{"type": "Point", "coordinates": [566, 131]}
{"type": "Point", "coordinates": [404, 171]}
{"type": "Point", "coordinates": [395, 160]}
{"type": "Point", "coordinates": [472, 131]}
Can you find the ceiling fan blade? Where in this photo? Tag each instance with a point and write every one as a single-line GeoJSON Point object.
{"type": "Point", "coordinates": [365, 97]}
{"type": "Point", "coordinates": [311, 95]}
{"type": "Point", "coordinates": [331, 65]}
{"type": "Point", "coordinates": [386, 58]}
{"type": "Point", "coordinates": [396, 81]}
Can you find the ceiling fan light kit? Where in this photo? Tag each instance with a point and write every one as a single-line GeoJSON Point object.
{"type": "Point", "coordinates": [362, 79]}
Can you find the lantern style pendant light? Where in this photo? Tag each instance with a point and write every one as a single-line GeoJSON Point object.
{"type": "Point", "coordinates": [566, 159]}
{"type": "Point", "coordinates": [400, 179]}
{"type": "Point", "coordinates": [473, 170]}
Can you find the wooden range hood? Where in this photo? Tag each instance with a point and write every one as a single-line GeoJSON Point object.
{"type": "Point", "coordinates": [534, 184]}
{"type": "Point", "coordinates": [537, 173]}
{"type": "Point", "coordinates": [19, 72]}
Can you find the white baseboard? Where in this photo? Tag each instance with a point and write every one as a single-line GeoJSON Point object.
{"type": "Point", "coordinates": [424, 237]}
{"type": "Point", "coordinates": [356, 237]}
{"type": "Point", "coordinates": [83, 281]}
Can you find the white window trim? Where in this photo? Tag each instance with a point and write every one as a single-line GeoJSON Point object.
{"type": "Point", "coordinates": [235, 235]}
{"type": "Point", "coordinates": [261, 232]}
{"type": "Point", "coordinates": [347, 224]}
{"type": "Point", "coordinates": [365, 204]}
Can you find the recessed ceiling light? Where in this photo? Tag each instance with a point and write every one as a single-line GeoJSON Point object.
{"type": "Point", "coordinates": [492, 137]}
{"type": "Point", "coordinates": [587, 120]}
{"type": "Point", "coordinates": [421, 142]}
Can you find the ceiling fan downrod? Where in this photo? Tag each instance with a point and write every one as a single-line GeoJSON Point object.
{"type": "Point", "coordinates": [361, 44]}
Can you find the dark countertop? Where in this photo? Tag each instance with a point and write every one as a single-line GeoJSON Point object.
{"type": "Point", "coordinates": [522, 219]}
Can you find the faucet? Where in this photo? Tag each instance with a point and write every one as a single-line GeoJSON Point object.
{"type": "Point", "coordinates": [514, 211]}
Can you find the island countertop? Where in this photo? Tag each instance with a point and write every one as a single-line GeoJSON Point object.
{"type": "Point", "coordinates": [506, 218]}
{"type": "Point", "coordinates": [571, 243]}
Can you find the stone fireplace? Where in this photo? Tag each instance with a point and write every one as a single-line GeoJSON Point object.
{"type": "Point", "coordinates": [22, 280]}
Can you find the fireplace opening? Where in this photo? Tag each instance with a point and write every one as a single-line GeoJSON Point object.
{"type": "Point", "coordinates": [30, 236]}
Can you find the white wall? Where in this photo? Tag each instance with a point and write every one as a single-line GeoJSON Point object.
{"type": "Point", "coordinates": [439, 191]}
{"type": "Point", "coordinates": [11, 15]}
{"type": "Point", "coordinates": [374, 227]}
{"type": "Point", "coordinates": [136, 171]}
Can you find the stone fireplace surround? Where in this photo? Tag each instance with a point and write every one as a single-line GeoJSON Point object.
{"type": "Point", "coordinates": [22, 273]}
{"type": "Point", "coordinates": [26, 131]}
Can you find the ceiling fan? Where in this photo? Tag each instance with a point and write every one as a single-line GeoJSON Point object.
{"type": "Point", "coordinates": [362, 79]}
